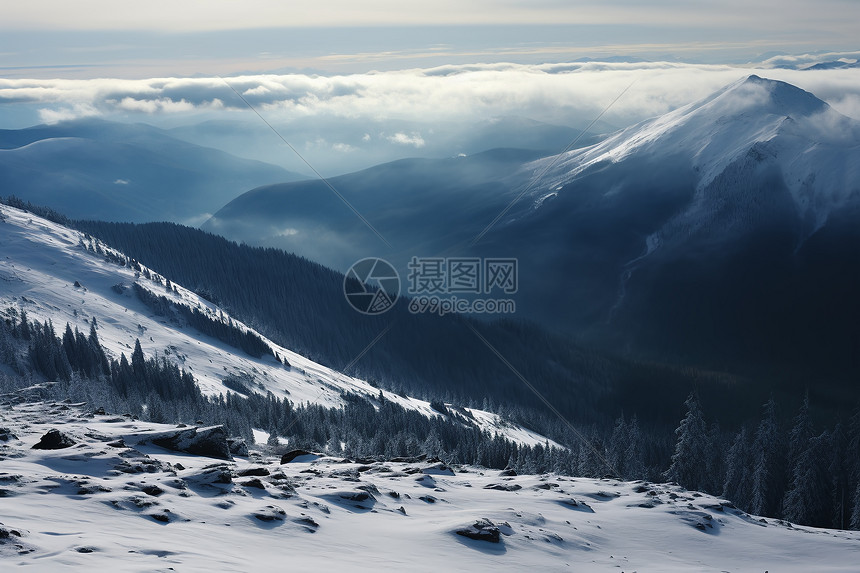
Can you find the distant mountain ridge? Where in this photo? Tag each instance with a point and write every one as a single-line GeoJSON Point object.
{"type": "Point", "coordinates": [721, 233]}
{"type": "Point", "coordinates": [124, 172]}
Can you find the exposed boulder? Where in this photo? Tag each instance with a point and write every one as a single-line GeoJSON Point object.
{"type": "Point", "coordinates": [257, 471]}
{"type": "Point", "coordinates": [438, 469]}
{"type": "Point", "coordinates": [292, 455]}
{"type": "Point", "coordinates": [307, 522]}
{"type": "Point", "coordinates": [270, 513]}
{"type": "Point", "coordinates": [8, 533]}
{"type": "Point", "coordinates": [253, 482]}
{"type": "Point", "coordinates": [576, 504]}
{"type": "Point", "coordinates": [163, 517]}
{"type": "Point", "coordinates": [6, 435]}
{"type": "Point", "coordinates": [54, 440]}
{"type": "Point", "coordinates": [351, 499]}
{"type": "Point", "coordinates": [504, 487]}
{"type": "Point", "coordinates": [238, 447]}
{"type": "Point", "coordinates": [355, 496]}
{"type": "Point", "coordinates": [214, 474]}
{"type": "Point", "coordinates": [210, 442]}
{"type": "Point", "coordinates": [152, 490]}
{"type": "Point", "coordinates": [409, 459]}
{"type": "Point", "coordinates": [482, 530]}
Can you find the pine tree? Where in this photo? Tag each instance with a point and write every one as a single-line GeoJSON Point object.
{"type": "Point", "coordinates": [852, 457]}
{"type": "Point", "coordinates": [25, 326]}
{"type": "Point", "coordinates": [800, 433]}
{"type": "Point", "coordinates": [615, 452]}
{"type": "Point", "coordinates": [855, 508]}
{"type": "Point", "coordinates": [808, 498]}
{"type": "Point", "coordinates": [736, 486]}
{"type": "Point", "coordinates": [714, 462]}
{"type": "Point", "coordinates": [768, 464]}
{"type": "Point", "coordinates": [634, 460]}
{"type": "Point", "coordinates": [138, 362]}
{"type": "Point", "coordinates": [689, 460]}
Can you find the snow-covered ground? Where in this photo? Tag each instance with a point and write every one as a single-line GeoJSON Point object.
{"type": "Point", "coordinates": [40, 262]}
{"type": "Point", "coordinates": [103, 505]}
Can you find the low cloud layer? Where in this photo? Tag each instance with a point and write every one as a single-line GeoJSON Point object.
{"type": "Point", "coordinates": [568, 94]}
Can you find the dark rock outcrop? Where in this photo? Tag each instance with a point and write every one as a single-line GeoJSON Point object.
{"type": "Point", "coordinates": [290, 456]}
{"type": "Point", "coordinates": [238, 447]}
{"type": "Point", "coordinates": [270, 513]}
{"type": "Point", "coordinates": [210, 442]}
{"type": "Point", "coordinates": [438, 469]}
{"type": "Point", "coordinates": [258, 471]}
{"type": "Point", "coordinates": [152, 490]}
{"type": "Point", "coordinates": [6, 435]}
{"type": "Point", "coordinates": [254, 482]}
{"type": "Point", "coordinates": [356, 496]}
{"type": "Point", "coordinates": [54, 440]}
{"type": "Point", "coordinates": [482, 530]}
{"type": "Point", "coordinates": [504, 487]}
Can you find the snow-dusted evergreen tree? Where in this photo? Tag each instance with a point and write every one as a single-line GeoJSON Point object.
{"type": "Point", "coordinates": [852, 457]}
{"type": "Point", "coordinates": [838, 473]}
{"type": "Point", "coordinates": [736, 486]}
{"type": "Point", "coordinates": [796, 504]}
{"type": "Point", "coordinates": [800, 433]}
{"type": "Point", "coordinates": [855, 508]}
{"type": "Point", "coordinates": [808, 499]}
{"type": "Point", "coordinates": [634, 459]}
{"type": "Point", "coordinates": [589, 463]}
{"type": "Point", "coordinates": [617, 447]}
{"type": "Point", "coordinates": [714, 460]}
{"type": "Point", "coordinates": [689, 466]}
{"type": "Point", "coordinates": [432, 445]}
{"type": "Point", "coordinates": [768, 464]}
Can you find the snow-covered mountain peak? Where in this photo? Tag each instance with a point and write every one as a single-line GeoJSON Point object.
{"type": "Point", "coordinates": [769, 96]}
{"type": "Point", "coordinates": [753, 121]}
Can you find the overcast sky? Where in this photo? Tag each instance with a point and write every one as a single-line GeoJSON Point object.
{"type": "Point", "coordinates": [418, 61]}
{"type": "Point", "coordinates": [118, 38]}
{"type": "Point", "coordinates": [825, 17]}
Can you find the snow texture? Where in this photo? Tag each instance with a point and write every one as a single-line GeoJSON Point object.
{"type": "Point", "coordinates": [110, 503]}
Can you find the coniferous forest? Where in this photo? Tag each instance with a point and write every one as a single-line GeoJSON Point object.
{"type": "Point", "coordinates": [794, 471]}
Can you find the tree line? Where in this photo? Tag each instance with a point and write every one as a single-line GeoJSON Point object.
{"type": "Point", "coordinates": [798, 472]}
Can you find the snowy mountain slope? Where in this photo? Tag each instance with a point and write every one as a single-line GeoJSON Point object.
{"type": "Point", "coordinates": [636, 242]}
{"type": "Point", "coordinates": [721, 234]}
{"type": "Point", "coordinates": [42, 262]}
{"type": "Point", "coordinates": [815, 148]}
{"type": "Point", "coordinates": [103, 504]}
